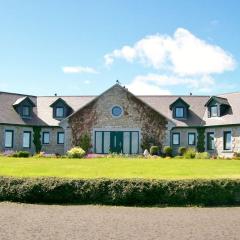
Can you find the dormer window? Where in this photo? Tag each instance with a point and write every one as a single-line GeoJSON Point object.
{"type": "Point", "coordinates": [213, 111]}
{"type": "Point", "coordinates": [60, 109]}
{"type": "Point", "coordinates": [24, 107]}
{"type": "Point", "coordinates": [179, 109]}
{"type": "Point", "coordinates": [59, 112]}
{"type": "Point", "coordinates": [179, 112]}
{"type": "Point", "coordinates": [217, 106]}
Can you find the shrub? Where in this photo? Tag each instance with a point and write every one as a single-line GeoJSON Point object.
{"type": "Point", "coordinates": [76, 152]}
{"type": "Point", "coordinates": [182, 150]}
{"type": "Point", "coordinates": [121, 192]}
{"type": "Point", "coordinates": [167, 150]}
{"type": "Point", "coordinates": [236, 155]}
{"type": "Point", "coordinates": [147, 142]}
{"type": "Point", "coordinates": [21, 154]}
{"type": "Point", "coordinates": [202, 155]}
{"type": "Point", "coordinates": [85, 142]}
{"type": "Point", "coordinates": [154, 150]}
{"type": "Point", "coordinates": [190, 153]}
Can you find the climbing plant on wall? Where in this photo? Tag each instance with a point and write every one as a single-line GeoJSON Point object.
{"type": "Point", "coordinates": [85, 142]}
{"type": "Point", "coordinates": [200, 140]}
{"type": "Point", "coordinates": [37, 138]}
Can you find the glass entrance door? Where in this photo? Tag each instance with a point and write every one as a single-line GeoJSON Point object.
{"type": "Point", "coordinates": [126, 142]}
{"type": "Point", "coordinates": [116, 142]}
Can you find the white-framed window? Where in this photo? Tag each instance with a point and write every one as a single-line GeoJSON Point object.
{"type": "Point", "coordinates": [27, 139]}
{"type": "Point", "coordinates": [176, 138]}
{"type": "Point", "coordinates": [60, 138]}
{"type": "Point", "coordinates": [45, 138]}
{"type": "Point", "coordinates": [179, 112]}
{"type": "Point", "coordinates": [227, 140]}
{"type": "Point", "coordinates": [117, 111]}
{"type": "Point", "coordinates": [8, 142]}
{"type": "Point", "coordinates": [59, 112]}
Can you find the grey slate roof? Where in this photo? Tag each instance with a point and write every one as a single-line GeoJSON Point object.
{"type": "Point", "coordinates": [42, 113]}
{"type": "Point", "coordinates": [196, 109]}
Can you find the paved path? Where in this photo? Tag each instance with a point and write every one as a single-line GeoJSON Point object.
{"type": "Point", "coordinates": [23, 221]}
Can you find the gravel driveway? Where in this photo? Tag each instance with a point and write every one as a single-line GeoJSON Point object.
{"type": "Point", "coordinates": [24, 221]}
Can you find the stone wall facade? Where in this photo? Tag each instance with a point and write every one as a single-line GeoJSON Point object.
{"type": "Point", "coordinates": [218, 139]}
{"type": "Point", "coordinates": [136, 115]}
{"type": "Point", "coordinates": [18, 131]}
{"type": "Point", "coordinates": [183, 138]}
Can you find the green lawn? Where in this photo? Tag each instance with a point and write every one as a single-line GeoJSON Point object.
{"type": "Point", "coordinates": [120, 168]}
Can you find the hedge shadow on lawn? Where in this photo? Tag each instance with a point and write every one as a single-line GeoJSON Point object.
{"type": "Point", "coordinates": [129, 192]}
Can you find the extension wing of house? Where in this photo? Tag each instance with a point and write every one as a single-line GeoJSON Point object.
{"type": "Point", "coordinates": [118, 121]}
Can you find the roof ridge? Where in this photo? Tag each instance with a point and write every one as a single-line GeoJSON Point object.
{"type": "Point", "coordinates": [20, 94]}
{"type": "Point", "coordinates": [228, 93]}
{"type": "Point", "coordinates": [59, 96]}
{"type": "Point", "coordinates": [173, 96]}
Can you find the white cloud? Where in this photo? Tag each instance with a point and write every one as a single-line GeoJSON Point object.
{"type": "Point", "coordinates": [78, 69]}
{"type": "Point", "coordinates": [144, 88]}
{"type": "Point", "coordinates": [87, 82]}
{"type": "Point", "coordinates": [183, 53]}
{"type": "Point", "coordinates": [154, 84]}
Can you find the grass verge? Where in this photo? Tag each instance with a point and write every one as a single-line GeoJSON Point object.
{"type": "Point", "coordinates": [119, 168]}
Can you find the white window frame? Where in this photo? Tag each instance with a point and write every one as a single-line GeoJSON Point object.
{"type": "Point", "coordinates": [118, 115]}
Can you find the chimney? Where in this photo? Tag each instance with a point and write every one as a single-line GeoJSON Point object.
{"type": "Point", "coordinates": [190, 94]}
{"type": "Point", "coordinates": [55, 94]}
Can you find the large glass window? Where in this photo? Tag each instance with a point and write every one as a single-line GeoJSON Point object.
{"type": "Point", "coordinates": [46, 138]}
{"type": "Point", "coordinates": [8, 139]}
{"type": "Point", "coordinates": [25, 111]}
{"type": "Point", "coordinates": [176, 138]}
{"type": "Point", "coordinates": [227, 140]}
{"type": "Point", "coordinates": [26, 139]}
{"type": "Point", "coordinates": [60, 138]}
{"type": "Point", "coordinates": [106, 141]}
{"type": "Point", "coordinates": [213, 111]}
{"type": "Point", "coordinates": [59, 112]}
{"type": "Point", "coordinates": [179, 112]}
{"type": "Point", "coordinates": [134, 136]}
{"type": "Point", "coordinates": [210, 141]}
{"type": "Point", "coordinates": [191, 138]}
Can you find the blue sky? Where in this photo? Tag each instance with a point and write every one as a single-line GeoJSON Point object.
{"type": "Point", "coordinates": [152, 47]}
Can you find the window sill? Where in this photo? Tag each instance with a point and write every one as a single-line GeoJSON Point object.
{"type": "Point", "coordinates": [227, 151]}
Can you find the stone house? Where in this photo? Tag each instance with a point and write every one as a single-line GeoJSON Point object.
{"type": "Point", "coordinates": [119, 121]}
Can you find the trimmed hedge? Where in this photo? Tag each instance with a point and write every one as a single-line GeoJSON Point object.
{"type": "Point", "coordinates": [121, 192]}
